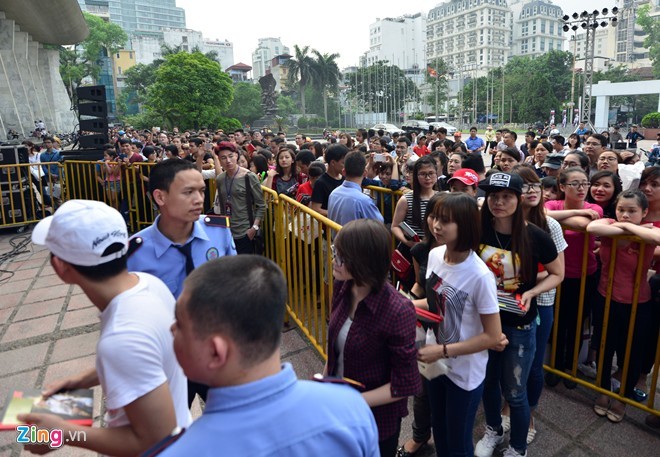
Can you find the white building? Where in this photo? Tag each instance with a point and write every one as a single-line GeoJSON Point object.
{"type": "Point", "coordinates": [473, 33]}
{"type": "Point", "coordinates": [604, 48]}
{"type": "Point", "coordinates": [400, 41]}
{"type": "Point", "coordinates": [630, 49]}
{"type": "Point", "coordinates": [263, 55]}
{"type": "Point", "coordinates": [537, 27]}
{"type": "Point", "coordinates": [147, 47]}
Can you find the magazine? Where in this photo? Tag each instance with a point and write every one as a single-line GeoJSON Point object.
{"type": "Point", "coordinates": [72, 405]}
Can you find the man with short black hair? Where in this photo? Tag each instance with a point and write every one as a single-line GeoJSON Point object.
{"type": "Point", "coordinates": [227, 334]}
{"type": "Point", "coordinates": [300, 140]}
{"type": "Point", "coordinates": [557, 142]}
{"type": "Point", "coordinates": [347, 202]}
{"type": "Point", "coordinates": [144, 389]}
{"type": "Point", "coordinates": [474, 143]}
{"type": "Point", "coordinates": [303, 159]}
{"type": "Point", "coordinates": [331, 179]}
{"type": "Point", "coordinates": [593, 147]}
{"type": "Point", "coordinates": [182, 237]}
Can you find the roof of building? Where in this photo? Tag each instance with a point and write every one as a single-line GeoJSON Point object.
{"type": "Point", "coordinates": [240, 66]}
{"type": "Point", "coordinates": [51, 22]}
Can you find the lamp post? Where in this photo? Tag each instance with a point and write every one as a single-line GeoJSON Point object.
{"type": "Point", "coordinates": [589, 22]}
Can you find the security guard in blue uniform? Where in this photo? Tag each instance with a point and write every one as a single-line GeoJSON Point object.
{"type": "Point", "coordinates": [182, 237]}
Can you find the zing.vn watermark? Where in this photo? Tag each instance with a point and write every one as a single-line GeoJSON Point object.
{"type": "Point", "coordinates": [30, 434]}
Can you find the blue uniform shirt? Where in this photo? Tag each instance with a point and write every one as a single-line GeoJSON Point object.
{"type": "Point", "coordinates": [280, 415]}
{"type": "Point", "coordinates": [158, 256]}
{"type": "Point", "coordinates": [474, 144]}
{"type": "Point", "coordinates": [347, 202]}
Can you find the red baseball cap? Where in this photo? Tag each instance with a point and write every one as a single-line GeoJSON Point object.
{"type": "Point", "coordinates": [467, 176]}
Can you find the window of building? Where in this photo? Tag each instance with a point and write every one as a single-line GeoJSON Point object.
{"type": "Point", "coordinates": [542, 25]}
{"type": "Point", "coordinates": [118, 55]}
{"type": "Point", "coordinates": [119, 70]}
{"type": "Point", "coordinates": [552, 28]}
{"type": "Point", "coordinates": [542, 45]}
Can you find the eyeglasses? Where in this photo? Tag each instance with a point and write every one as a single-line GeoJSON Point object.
{"type": "Point", "coordinates": [579, 185]}
{"type": "Point", "coordinates": [536, 187]}
{"type": "Point", "coordinates": [430, 174]}
{"type": "Point", "coordinates": [335, 257]}
{"type": "Point", "coordinates": [569, 164]}
{"type": "Point", "coordinates": [607, 159]}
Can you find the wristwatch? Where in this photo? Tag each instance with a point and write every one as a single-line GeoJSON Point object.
{"type": "Point", "coordinates": [255, 227]}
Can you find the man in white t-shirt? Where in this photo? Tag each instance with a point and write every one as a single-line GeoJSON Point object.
{"type": "Point", "coordinates": [144, 387]}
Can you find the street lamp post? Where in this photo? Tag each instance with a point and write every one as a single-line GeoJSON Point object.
{"type": "Point", "coordinates": [589, 22]}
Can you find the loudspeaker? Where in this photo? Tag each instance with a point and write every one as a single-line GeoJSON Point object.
{"type": "Point", "coordinates": [13, 155]}
{"type": "Point", "coordinates": [94, 125]}
{"type": "Point", "coordinates": [91, 155]}
{"type": "Point", "coordinates": [95, 93]}
{"type": "Point", "coordinates": [17, 205]}
{"type": "Point", "coordinates": [92, 104]}
{"type": "Point", "coordinates": [95, 109]}
{"type": "Point", "coordinates": [97, 140]}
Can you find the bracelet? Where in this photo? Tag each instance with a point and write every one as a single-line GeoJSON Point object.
{"type": "Point", "coordinates": [255, 227]}
{"type": "Point", "coordinates": [444, 349]}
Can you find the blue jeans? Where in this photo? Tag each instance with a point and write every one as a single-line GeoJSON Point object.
{"type": "Point", "coordinates": [453, 410]}
{"type": "Point", "coordinates": [543, 331]}
{"type": "Point", "coordinates": [506, 374]}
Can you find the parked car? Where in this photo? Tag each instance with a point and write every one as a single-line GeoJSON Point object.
{"type": "Point", "coordinates": [416, 126]}
{"type": "Point", "coordinates": [450, 128]}
{"type": "Point", "coordinates": [389, 128]}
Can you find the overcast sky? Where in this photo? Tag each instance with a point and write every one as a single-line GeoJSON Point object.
{"type": "Point", "coordinates": [340, 26]}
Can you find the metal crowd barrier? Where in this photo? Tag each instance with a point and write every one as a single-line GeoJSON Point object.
{"type": "Point", "coordinates": [640, 275]}
{"type": "Point", "coordinates": [297, 238]}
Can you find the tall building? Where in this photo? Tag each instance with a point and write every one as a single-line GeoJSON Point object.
{"type": "Point", "coordinates": [537, 27]}
{"type": "Point", "coordinates": [630, 48]}
{"type": "Point", "coordinates": [604, 48]}
{"type": "Point", "coordinates": [262, 56]}
{"type": "Point", "coordinates": [400, 41]}
{"type": "Point", "coordinates": [136, 16]}
{"type": "Point", "coordinates": [475, 33]}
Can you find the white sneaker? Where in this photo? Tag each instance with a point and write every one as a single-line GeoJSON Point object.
{"type": "Point", "coordinates": [486, 445]}
{"type": "Point", "coordinates": [511, 452]}
{"type": "Point", "coordinates": [588, 369]}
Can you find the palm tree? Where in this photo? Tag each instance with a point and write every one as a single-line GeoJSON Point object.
{"type": "Point", "coordinates": [327, 77]}
{"type": "Point", "coordinates": [301, 70]}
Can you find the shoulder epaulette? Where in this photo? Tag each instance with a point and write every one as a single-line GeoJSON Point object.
{"type": "Point", "coordinates": [134, 244]}
{"type": "Point", "coordinates": [217, 221]}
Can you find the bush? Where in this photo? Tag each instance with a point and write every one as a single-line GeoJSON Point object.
{"type": "Point", "coordinates": [303, 122]}
{"type": "Point", "coordinates": [651, 121]}
{"type": "Point", "coordinates": [228, 124]}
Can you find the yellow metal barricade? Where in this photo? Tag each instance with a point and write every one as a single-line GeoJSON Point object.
{"type": "Point", "coordinates": [28, 193]}
{"type": "Point", "coordinates": [640, 275]}
{"type": "Point", "coordinates": [303, 239]}
{"type": "Point", "coordinates": [386, 200]}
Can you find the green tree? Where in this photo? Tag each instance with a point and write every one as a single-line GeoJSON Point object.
{"type": "Point", "coordinates": [301, 68]}
{"type": "Point", "coordinates": [381, 88]}
{"type": "Point", "coordinates": [436, 78]}
{"type": "Point", "coordinates": [81, 61]}
{"type": "Point", "coordinates": [190, 90]}
{"type": "Point", "coordinates": [139, 78]}
{"type": "Point", "coordinates": [246, 106]}
{"type": "Point", "coordinates": [285, 105]}
{"type": "Point", "coordinates": [327, 76]}
{"type": "Point", "coordinates": [651, 26]}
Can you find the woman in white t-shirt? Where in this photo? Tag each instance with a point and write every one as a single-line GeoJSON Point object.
{"type": "Point", "coordinates": [462, 290]}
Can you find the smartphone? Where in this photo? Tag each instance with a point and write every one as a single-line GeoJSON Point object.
{"type": "Point", "coordinates": [379, 157]}
{"type": "Point", "coordinates": [408, 231]}
{"type": "Point", "coordinates": [208, 146]}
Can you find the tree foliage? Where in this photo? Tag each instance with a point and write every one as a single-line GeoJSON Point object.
{"type": "Point", "coordinates": [246, 106]}
{"type": "Point", "coordinates": [381, 88]}
{"type": "Point", "coordinates": [301, 68]}
{"type": "Point", "coordinates": [651, 26]}
{"type": "Point", "coordinates": [81, 61]}
{"type": "Point", "coordinates": [190, 91]}
{"type": "Point", "coordinates": [436, 79]}
{"type": "Point", "coordinates": [326, 77]}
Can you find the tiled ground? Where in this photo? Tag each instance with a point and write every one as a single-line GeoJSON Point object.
{"type": "Point", "coordinates": [48, 330]}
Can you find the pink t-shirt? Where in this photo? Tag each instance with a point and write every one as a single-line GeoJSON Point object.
{"type": "Point", "coordinates": [575, 240]}
{"type": "Point", "coordinates": [627, 255]}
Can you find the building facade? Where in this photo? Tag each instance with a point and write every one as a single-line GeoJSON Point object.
{"type": "Point", "coordinates": [399, 41]}
{"type": "Point", "coordinates": [136, 16]}
{"type": "Point", "coordinates": [537, 27]}
{"type": "Point", "coordinates": [262, 57]}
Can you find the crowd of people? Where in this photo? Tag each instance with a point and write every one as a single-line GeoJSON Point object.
{"type": "Point", "coordinates": [479, 256]}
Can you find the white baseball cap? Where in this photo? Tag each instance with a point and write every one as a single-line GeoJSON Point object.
{"type": "Point", "coordinates": [81, 230]}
